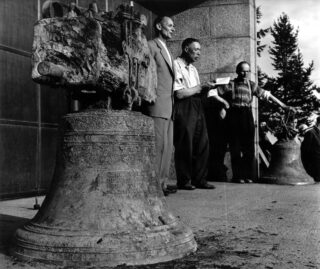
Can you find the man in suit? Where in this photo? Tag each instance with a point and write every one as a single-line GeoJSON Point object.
{"type": "Point", "coordinates": [161, 110]}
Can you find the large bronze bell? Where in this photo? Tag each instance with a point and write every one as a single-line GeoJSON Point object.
{"type": "Point", "coordinates": [286, 166]}
{"type": "Point", "coordinates": [105, 206]}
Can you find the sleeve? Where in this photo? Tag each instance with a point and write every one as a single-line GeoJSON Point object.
{"type": "Point", "coordinates": [222, 90]}
{"type": "Point", "coordinates": [178, 81]}
{"type": "Point", "coordinates": [259, 92]}
{"type": "Point", "coordinates": [151, 47]}
{"type": "Point", "coordinates": [213, 92]}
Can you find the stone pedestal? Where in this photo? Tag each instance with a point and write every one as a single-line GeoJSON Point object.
{"type": "Point", "coordinates": [105, 206]}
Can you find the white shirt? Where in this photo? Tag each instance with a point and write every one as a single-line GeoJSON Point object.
{"type": "Point", "coordinates": [167, 51]}
{"type": "Point", "coordinates": [186, 76]}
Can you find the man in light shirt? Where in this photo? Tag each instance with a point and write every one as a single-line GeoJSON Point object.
{"type": "Point", "coordinates": [161, 110]}
{"type": "Point", "coordinates": [190, 132]}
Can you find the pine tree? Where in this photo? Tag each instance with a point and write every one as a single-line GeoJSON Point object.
{"type": "Point", "coordinates": [292, 84]}
{"type": "Point", "coordinates": [261, 33]}
{"type": "Point", "coordinates": [285, 43]}
{"type": "Point", "coordinates": [298, 83]}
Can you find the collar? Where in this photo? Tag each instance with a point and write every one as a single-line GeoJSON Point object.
{"type": "Point", "coordinates": [183, 63]}
{"type": "Point", "coordinates": [162, 42]}
{"type": "Point", "coordinates": [237, 79]}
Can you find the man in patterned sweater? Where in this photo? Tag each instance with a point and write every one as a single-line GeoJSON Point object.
{"type": "Point", "coordinates": [239, 120]}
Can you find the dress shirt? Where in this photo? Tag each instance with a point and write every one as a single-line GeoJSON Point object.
{"type": "Point", "coordinates": [186, 75]}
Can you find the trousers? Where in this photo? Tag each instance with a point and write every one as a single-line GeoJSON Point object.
{"type": "Point", "coordinates": [164, 147]}
{"type": "Point", "coordinates": [191, 142]}
{"type": "Point", "coordinates": [240, 127]}
{"type": "Point", "coordinates": [217, 133]}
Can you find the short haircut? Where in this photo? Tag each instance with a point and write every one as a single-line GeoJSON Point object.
{"type": "Point", "coordinates": [188, 41]}
{"type": "Point", "coordinates": [156, 21]}
{"type": "Point", "coordinates": [239, 65]}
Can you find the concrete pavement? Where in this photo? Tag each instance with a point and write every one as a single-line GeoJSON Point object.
{"type": "Point", "coordinates": [236, 226]}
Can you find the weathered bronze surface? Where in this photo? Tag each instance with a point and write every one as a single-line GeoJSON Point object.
{"type": "Point", "coordinates": [286, 166]}
{"type": "Point", "coordinates": [108, 57]}
{"type": "Point", "coordinates": [105, 206]}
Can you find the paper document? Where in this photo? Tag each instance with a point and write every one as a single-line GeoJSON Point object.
{"type": "Point", "coordinates": [271, 138]}
{"type": "Point", "coordinates": [222, 81]}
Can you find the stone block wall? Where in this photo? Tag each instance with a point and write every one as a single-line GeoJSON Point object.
{"type": "Point", "coordinates": [226, 29]}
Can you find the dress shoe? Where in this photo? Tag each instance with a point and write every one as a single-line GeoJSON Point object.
{"type": "Point", "coordinates": [172, 187]}
{"type": "Point", "coordinates": [170, 190]}
{"type": "Point", "coordinates": [247, 180]}
{"type": "Point", "coordinates": [206, 186]}
{"type": "Point", "coordinates": [165, 192]}
{"type": "Point", "coordinates": [187, 187]}
{"type": "Point", "coordinates": [241, 181]}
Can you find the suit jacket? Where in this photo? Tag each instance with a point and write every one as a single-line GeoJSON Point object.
{"type": "Point", "coordinates": [163, 105]}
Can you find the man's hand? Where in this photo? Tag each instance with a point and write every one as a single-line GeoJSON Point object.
{"type": "Point", "coordinates": [226, 104]}
{"type": "Point", "coordinates": [222, 113]}
{"type": "Point", "coordinates": [290, 109]}
{"type": "Point", "coordinates": [205, 86]}
{"type": "Point", "coordinates": [211, 84]}
{"type": "Point", "coordinates": [199, 88]}
{"type": "Point", "coordinates": [184, 93]}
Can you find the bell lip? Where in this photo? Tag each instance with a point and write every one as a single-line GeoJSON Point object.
{"type": "Point", "coordinates": [285, 181]}
{"type": "Point", "coordinates": [186, 249]}
{"type": "Point", "coordinates": [39, 252]}
{"type": "Point", "coordinates": [34, 227]}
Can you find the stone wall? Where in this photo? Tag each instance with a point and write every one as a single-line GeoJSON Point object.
{"type": "Point", "coordinates": [226, 29]}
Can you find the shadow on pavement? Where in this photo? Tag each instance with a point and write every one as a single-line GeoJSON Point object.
{"type": "Point", "coordinates": [8, 225]}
